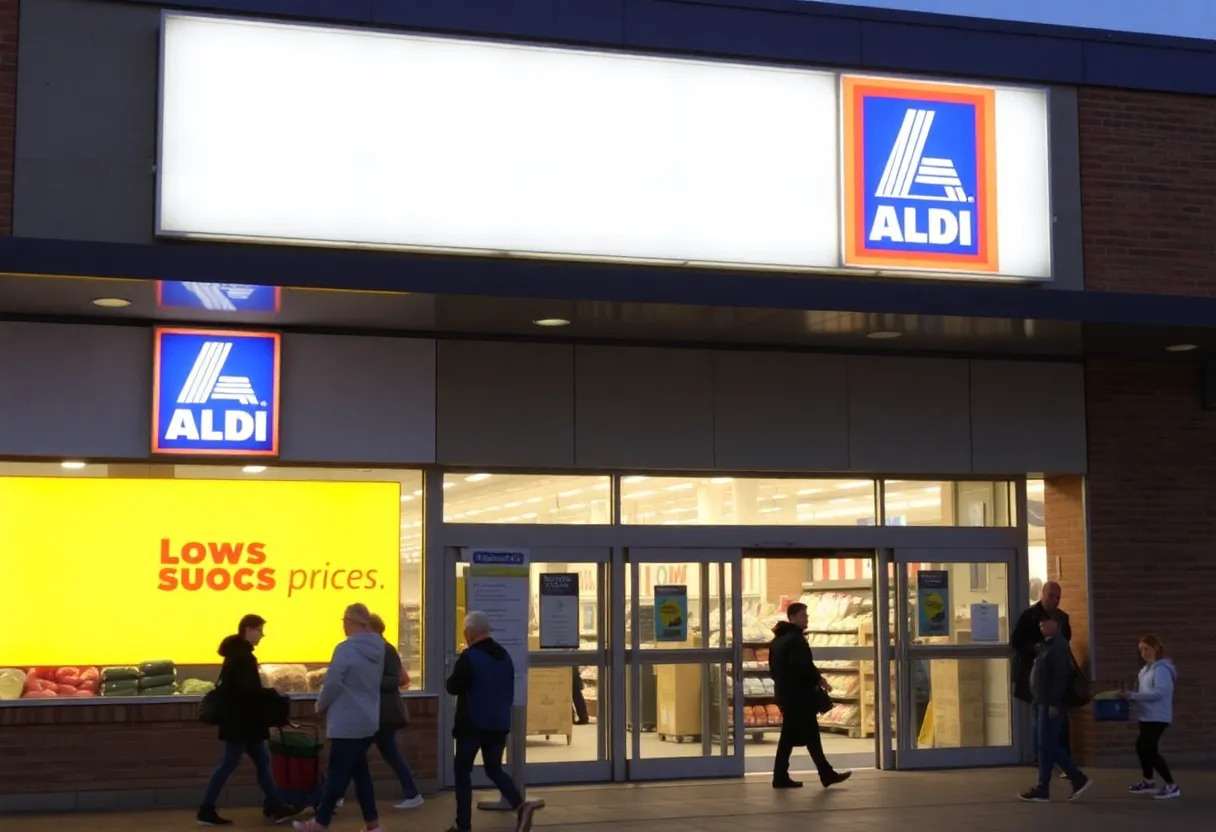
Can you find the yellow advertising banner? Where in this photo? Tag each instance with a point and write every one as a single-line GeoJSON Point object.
{"type": "Point", "coordinates": [116, 572]}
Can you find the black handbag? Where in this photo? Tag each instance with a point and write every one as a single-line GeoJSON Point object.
{"type": "Point", "coordinates": [209, 708]}
{"type": "Point", "coordinates": [393, 713]}
{"type": "Point", "coordinates": [821, 700]}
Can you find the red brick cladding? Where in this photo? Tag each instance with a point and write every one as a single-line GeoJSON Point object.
{"type": "Point", "coordinates": [9, 13]}
{"type": "Point", "coordinates": [1148, 191]}
{"type": "Point", "coordinates": [1152, 565]}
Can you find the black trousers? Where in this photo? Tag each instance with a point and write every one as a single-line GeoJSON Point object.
{"type": "Point", "coordinates": [785, 747]}
{"type": "Point", "coordinates": [1148, 749]}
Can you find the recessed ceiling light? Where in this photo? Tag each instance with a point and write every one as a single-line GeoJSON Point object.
{"type": "Point", "coordinates": [1181, 347]}
{"type": "Point", "coordinates": [111, 303]}
{"type": "Point", "coordinates": [476, 477]}
{"type": "Point", "coordinates": [254, 469]}
{"type": "Point", "coordinates": [883, 335]}
{"type": "Point", "coordinates": [551, 322]}
{"type": "Point", "coordinates": [72, 465]}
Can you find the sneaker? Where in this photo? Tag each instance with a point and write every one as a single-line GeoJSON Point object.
{"type": "Point", "coordinates": [284, 813]}
{"type": "Point", "coordinates": [836, 778]}
{"type": "Point", "coordinates": [1168, 792]}
{"type": "Point", "coordinates": [308, 826]}
{"type": "Point", "coordinates": [1143, 787]}
{"type": "Point", "coordinates": [787, 783]}
{"type": "Point", "coordinates": [210, 817]}
{"type": "Point", "coordinates": [410, 802]}
{"type": "Point", "coordinates": [525, 813]}
{"type": "Point", "coordinates": [1077, 791]}
{"type": "Point", "coordinates": [1034, 795]}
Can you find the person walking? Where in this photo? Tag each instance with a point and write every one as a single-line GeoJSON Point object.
{"type": "Point", "coordinates": [800, 689]}
{"type": "Point", "coordinates": [576, 697]}
{"type": "Point", "coordinates": [483, 682]}
{"type": "Point", "coordinates": [1154, 700]}
{"type": "Point", "coordinates": [1025, 642]}
{"type": "Point", "coordinates": [393, 718]}
{"type": "Point", "coordinates": [350, 705]}
{"type": "Point", "coordinates": [243, 710]}
{"type": "Point", "coordinates": [1049, 681]}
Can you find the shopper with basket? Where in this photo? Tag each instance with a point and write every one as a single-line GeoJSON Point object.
{"type": "Point", "coordinates": [1154, 700]}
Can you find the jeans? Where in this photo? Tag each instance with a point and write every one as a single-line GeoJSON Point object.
{"type": "Point", "coordinates": [233, 751]}
{"type": "Point", "coordinates": [1051, 753]}
{"type": "Point", "coordinates": [785, 747]}
{"type": "Point", "coordinates": [347, 761]}
{"type": "Point", "coordinates": [386, 741]}
{"type": "Point", "coordinates": [1065, 737]}
{"type": "Point", "coordinates": [491, 746]}
{"type": "Point", "coordinates": [1148, 749]}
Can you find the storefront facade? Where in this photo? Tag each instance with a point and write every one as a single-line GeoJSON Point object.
{"type": "Point", "coordinates": [896, 418]}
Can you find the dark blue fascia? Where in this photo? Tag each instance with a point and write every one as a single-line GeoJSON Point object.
{"type": "Point", "coordinates": [789, 31]}
{"type": "Point", "coordinates": [552, 280]}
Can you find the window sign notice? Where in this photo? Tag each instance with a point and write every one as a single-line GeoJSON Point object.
{"type": "Point", "coordinates": [559, 611]}
{"type": "Point", "coordinates": [933, 603]}
{"type": "Point", "coordinates": [497, 584]}
{"type": "Point", "coordinates": [671, 613]}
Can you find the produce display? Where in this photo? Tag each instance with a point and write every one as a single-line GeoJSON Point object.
{"type": "Point", "coordinates": [155, 678]}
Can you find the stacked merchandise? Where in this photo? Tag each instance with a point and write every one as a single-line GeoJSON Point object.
{"type": "Point", "coordinates": [287, 678]}
{"type": "Point", "coordinates": [158, 678]}
{"type": "Point", "coordinates": [49, 682]}
{"type": "Point", "coordinates": [834, 618]}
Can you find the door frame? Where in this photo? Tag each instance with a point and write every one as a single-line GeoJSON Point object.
{"type": "Point", "coordinates": [907, 653]}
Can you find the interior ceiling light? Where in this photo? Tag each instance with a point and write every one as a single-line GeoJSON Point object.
{"type": "Point", "coordinates": [254, 469]}
{"type": "Point", "coordinates": [476, 477]}
{"type": "Point", "coordinates": [883, 335]}
{"type": "Point", "coordinates": [1181, 347]}
{"type": "Point", "coordinates": [551, 322]}
{"type": "Point", "coordinates": [72, 465]}
{"type": "Point", "coordinates": [111, 303]}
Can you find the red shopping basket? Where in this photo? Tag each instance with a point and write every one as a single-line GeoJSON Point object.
{"type": "Point", "coordinates": [295, 754]}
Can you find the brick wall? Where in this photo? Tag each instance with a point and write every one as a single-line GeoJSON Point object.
{"type": "Point", "coordinates": [1148, 191]}
{"type": "Point", "coordinates": [151, 747]}
{"type": "Point", "coordinates": [9, 14]}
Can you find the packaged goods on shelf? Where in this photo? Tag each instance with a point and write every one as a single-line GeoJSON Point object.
{"type": "Point", "coordinates": [164, 680]}
{"type": "Point", "coordinates": [12, 683]}
{"type": "Point", "coordinates": [285, 678]}
{"type": "Point", "coordinates": [163, 690]}
{"type": "Point", "coordinates": [195, 687]}
{"type": "Point", "coordinates": [119, 674]}
{"type": "Point", "coordinates": [315, 679]}
{"type": "Point", "coordinates": [121, 687]}
{"type": "Point", "coordinates": [160, 667]}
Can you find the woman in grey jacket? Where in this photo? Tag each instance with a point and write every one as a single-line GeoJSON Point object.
{"type": "Point", "coordinates": [1154, 699]}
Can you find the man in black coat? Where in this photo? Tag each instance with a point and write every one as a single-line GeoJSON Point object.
{"type": "Point", "coordinates": [800, 688]}
{"type": "Point", "coordinates": [1026, 641]}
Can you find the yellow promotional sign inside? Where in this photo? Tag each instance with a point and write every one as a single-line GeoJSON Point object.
{"type": "Point", "coordinates": [112, 571]}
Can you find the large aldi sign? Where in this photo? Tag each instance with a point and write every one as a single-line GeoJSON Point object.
{"type": "Point", "coordinates": [919, 181]}
{"type": "Point", "coordinates": [215, 392]}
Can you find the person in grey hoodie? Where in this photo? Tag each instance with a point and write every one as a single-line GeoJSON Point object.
{"type": "Point", "coordinates": [350, 704]}
{"type": "Point", "coordinates": [1049, 681]}
{"type": "Point", "coordinates": [1154, 698]}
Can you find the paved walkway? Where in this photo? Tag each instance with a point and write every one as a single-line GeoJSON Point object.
{"type": "Point", "coordinates": [952, 801]}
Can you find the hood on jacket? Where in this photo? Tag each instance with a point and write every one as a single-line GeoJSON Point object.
{"type": "Point", "coordinates": [235, 645]}
{"type": "Point", "coordinates": [492, 648]}
{"type": "Point", "coordinates": [368, 646]}
{"type": "Point", "coordinates": [785, 627]}
{"type": "Point", "coordinates": [1167, 665]}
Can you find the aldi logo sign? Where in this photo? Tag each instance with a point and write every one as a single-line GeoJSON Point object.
{"type": "Point", "coordinates": [919, 179]}
{"type": "Point", "coordinates": [217, 297]}
{"type": "Point", "coordinates": [215, 392]}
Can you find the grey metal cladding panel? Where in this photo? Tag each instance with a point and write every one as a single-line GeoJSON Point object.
{"type": "Point", "coordinates": [1027, 417]}
{"type": "Point", "coordinates": [506, 404]}
{"type": "Point", "coordinates": [86, 120]}
{"type": "Point", "coordinates": [75, 391]}
{"type": "Point", "coordinates": [781, 411]}
{"type": "Point", "coordinates": [638, 406]}
{"type": "Point", "coordinates": [909, 415]}
{"type": "Point", "coordinates": [348, 399]}
{"type": "Point", "coordinates": [1067, 262]}
{"type": "Point", "coordinates": [584, 21]}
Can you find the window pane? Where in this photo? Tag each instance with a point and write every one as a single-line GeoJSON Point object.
{"type": "Point", "coordinates": [1036, 532]}
{"type": "Point", "coordinates": [526, 498]}
{"type": "Point", "coordinates": [733, 501]}
{"type": "Point", "coordinates": [958, 603]}
{"type": "Point", "coordinates": [938, 503]}
{"type": "Point", "coordinates": [962, 703]}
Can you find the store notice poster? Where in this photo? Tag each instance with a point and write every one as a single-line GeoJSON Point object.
{"type": "Point", "coordinates": [985, 622]}
{"type": "Point", "coordinates": [671, 613]}
{"type": "Point", "coordinates": [933, 603]}
{"type": "Point", "coordinates": [559, 610]}
{"type": "Point", "coordinates": [498, 584]}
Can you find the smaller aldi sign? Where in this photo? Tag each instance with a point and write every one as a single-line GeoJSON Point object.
{"type": "Point", "coordinates": [217, 297]}
{"type": "Point", "coordinates": [215, 392]}
{"type": "Point", "coordinates": [919, 179]}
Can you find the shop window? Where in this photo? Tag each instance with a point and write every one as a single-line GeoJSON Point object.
{"type": "Point", "coordinates": [737, 501]}
{"type": "Point", "coordinates": [248, 546]}
{"type": "Point", "coordinates": [1036, 533]}
{"type": "Point", "coordinates": [541, 499]}
{"type": "Point", "coordinates": [948, 503]}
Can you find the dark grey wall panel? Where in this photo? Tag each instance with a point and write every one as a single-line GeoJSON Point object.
{"type": "Point", "coordinates": [86, 121]}
{"type": "Point", "coordinates": [351, 400]}
{"type": "Point", "coordinates": [1068, 265]}
{"type": "Point", "coordinates": [909, 415]}
{"type": "Point", "coordinates": [506, 404]}
{"type": "Point", "coordinates": [1027, 417]}
{"type": "Point", "coordinates": [781, 411]}
{"type": "Point", "coordinates": [638, 407]}
{"type": "Point", "coordinates": [75, 391]}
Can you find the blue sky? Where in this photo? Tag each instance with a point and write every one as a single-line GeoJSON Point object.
{"type": "Point", "coordinates": [1190, 18]}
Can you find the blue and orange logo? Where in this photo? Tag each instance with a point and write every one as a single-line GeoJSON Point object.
{"type": "Point", "coordinates": [919, 175]}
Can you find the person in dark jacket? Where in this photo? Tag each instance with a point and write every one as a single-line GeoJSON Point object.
{"type": "Point", "coordinates": [483, 682]}
{"type": "Point", "coordinates": [393, 718]}
{"type": "Point", "coordinates": [1049, 680]}
{"type": "Point", "coordinates": [244, 713]}
{"type": "Point", "coordinates": [799, 687]}
{"type": "Point", "coordinates": [577, 699]}
{"type": "Point", "coordinates": [1027, 639]}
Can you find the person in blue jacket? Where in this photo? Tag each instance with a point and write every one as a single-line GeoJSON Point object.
{"type": "Point", "coordinates": [1154, 700]}
{"type": "Point", "coordinates": [483, 682]}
